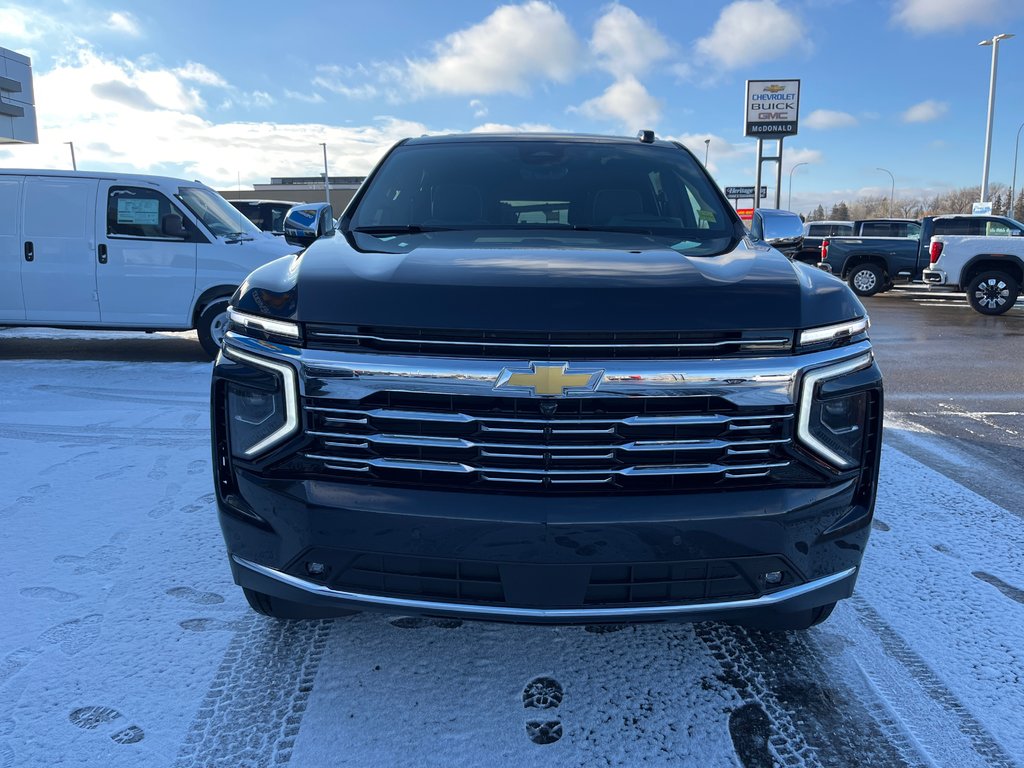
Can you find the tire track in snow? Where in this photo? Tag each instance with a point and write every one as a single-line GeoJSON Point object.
{"type": "Point", "coordinates": [797, 710]}
{"type": "Point", "coordinates": [917, 668]}
{"type": "Point", "coordinates": [253, 709]}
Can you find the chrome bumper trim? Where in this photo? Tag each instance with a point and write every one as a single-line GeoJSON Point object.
{"type": "Point", "coordinates": [506, 612]}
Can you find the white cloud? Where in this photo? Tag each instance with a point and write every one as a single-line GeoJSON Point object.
{"type": "Point", "coordinates": [478, 107]}
{"type": "Point", "coordinates": [19, 25]}
{"type": "Point", "coordinates": [719, 149]}
{"type": "Point", "coordinates": [309, 98]}
{"type": "Point", "coordinates": [625, 101]}
{"type": "Point", "coordinates": [521, 128]}
{"type": "Point", "coordinates": [124, 22]}
{"type": "Point", "coordinates": [925, 111]}
{"type": "Point", "coordinates": [924, 16]}
{"type": "Point", "coordinates": [161, 132]}
{"type": "Point", "coordinates": [515, 48]}
{"type": "Point", "coordinates": [824, 119]}
{"type": "Point", "coordinates": [336, 80]}
{"type": "Point", "coordinates": [625, 44]}
{"type": "Point", "coordinates": [751, 31]}
{"type": "Point", "coordinates": [201, 74]}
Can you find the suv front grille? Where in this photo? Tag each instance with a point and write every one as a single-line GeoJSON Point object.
{"type": "Point", "coordinates": [586, 444]}
{"type": "Point", "coordinates": [534, 345]}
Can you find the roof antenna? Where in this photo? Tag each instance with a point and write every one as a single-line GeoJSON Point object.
{"type": "Point", "coordinates": [645, 136]}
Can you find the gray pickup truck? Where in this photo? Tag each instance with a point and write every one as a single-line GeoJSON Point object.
{"type": "Point", "coordinates": [873, 264]}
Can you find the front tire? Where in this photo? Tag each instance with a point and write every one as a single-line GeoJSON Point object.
{"type": "Point", "coordinates": [866, 279]}
{"type": "Point", "coordinates": [992, 292]}
{"type": "Point", "coordinates": [212, 324]}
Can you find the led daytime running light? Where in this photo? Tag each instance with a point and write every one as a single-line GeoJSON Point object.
{"type": "Point", "coordinates": [811, 380]}
{"type": "Point", "coordinates": [830, 332]}
{"type": "Point", "coordinates": [276, 327]}
{"type": "Point", "coordinates": [291, 400]}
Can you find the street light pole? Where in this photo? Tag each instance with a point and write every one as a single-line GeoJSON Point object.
{"type": "Point", "coordinates": [892, 192]}
{"type": "Point", "coordinates": [327, 182]}
{"type": "Point", "coordinates": [789, 203]}
{"type": "Point", "coordinates": [707, 146]}
{"type": "Point", "coordinates": [74, 165]}
{"type": "Point", "coordinates": [1013, 184]}
{"type": "Point", "coordinates": [994, 42]}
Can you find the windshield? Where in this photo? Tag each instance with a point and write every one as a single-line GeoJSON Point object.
{"type": "Point", "coordinates": [547, 189]}
{"type": "Point", "coordinates": [215, 212]}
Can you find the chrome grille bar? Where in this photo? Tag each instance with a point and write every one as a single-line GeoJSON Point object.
{"type": "Point", "coordinates": [769, 343]}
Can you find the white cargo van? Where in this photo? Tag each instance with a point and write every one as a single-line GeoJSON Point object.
{"type": "Point", "coordinates": [131, 252]}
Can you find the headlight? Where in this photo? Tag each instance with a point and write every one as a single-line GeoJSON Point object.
{"type": "Point", "coordinates": [263, 413]}
{"type": "Point", "coordinates": [833, 426]}
{"type": "Point", "coordinates": [264, 328]}
{"type": "Point", "coordinates": [831, 333]}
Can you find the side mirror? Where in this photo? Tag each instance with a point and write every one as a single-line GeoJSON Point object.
{"type": "Point", "coordinates": [305, 223]}
{"type": "Point", "coordinates": [172, 225]}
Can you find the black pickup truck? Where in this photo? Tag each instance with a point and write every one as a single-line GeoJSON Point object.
{"type": "Point", "coordinates": [815, 232]}
{"type": "Point", "coordinates": [545, 378]}
{"type": "Point", "coordinates": [873, 264]}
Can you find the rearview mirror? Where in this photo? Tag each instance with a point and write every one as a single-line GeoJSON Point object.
{"type": "Point", "coordinates": [305, 223]}
{"type": "Point", "coordinates": [172, 225]}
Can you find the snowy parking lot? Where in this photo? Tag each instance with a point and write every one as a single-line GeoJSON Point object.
{"type": "Point", "coordinates": [125, 643]}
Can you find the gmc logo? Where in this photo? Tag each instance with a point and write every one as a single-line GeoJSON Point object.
{"type": "Point", "coordinates": [10, 86]}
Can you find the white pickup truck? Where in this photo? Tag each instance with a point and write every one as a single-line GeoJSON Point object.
{"type": "Point", "coordinates": [990, 269]}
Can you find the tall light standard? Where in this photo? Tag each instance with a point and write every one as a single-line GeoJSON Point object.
{"type": "Point", "coordinates": [327, 179]}
{"type": "Point", "coordinates": [1013, 184]}
{"type": "Point", "coordinates": [994, 42]}
{"type": "Point", "coordinates": [74, 165]}
{"type": "Point", "coordinates": [892, 192]}
{"type": "Point", "coordinates": [707, 146]}
{"type": "Point", "coordinates": [789, 204]}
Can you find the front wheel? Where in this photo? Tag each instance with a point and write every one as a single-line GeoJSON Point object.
{"type": "Point", "coordinates": [866, 279]}
{"type": "Point", "coordinates": [212, 324]}
{"type": "Point", "coordinates": [992, 292]}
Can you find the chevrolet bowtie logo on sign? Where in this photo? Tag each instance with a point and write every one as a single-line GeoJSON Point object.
{"type": "Point", "coordinates": [548, 379]}
{"type": "Point", "coordinates": [774, 88]}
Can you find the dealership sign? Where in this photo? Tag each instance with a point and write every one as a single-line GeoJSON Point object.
{"type": "Point", "coordinates": [744, 192]}
{"type": "Point", "coordinates": [772, 108]}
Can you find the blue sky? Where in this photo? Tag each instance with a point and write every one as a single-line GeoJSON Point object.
{"type": "Point", "coordinates": [235, 93]}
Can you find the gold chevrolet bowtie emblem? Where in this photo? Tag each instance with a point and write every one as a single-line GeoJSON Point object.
{"type": "Point", "coordinates": [774, 88]}
{"type": "Point", "coordinates": [548, 378]}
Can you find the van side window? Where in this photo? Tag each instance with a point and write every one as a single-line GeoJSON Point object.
{"type": "Point", "coordinates": [136, 212]}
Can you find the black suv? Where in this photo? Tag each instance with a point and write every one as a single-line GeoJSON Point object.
{"type": "Point", "coordinates": [545, 378]}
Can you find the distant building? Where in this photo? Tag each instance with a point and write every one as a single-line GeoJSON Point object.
{"type": "Point", "coordinates": [301, 189]}
{"type": "Point", "coordinates": [17, 100]}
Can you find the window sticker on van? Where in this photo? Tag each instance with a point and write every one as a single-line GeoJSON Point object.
{"type": "Point", "coordinates": [138, 211]}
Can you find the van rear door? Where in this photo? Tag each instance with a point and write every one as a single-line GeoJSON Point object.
{"type": "Point", "coordinates": [58, 268]}
{"type": "Point", "coordinates": [145, 278]}
{"type": "Point", "coordinates": [12, 305]}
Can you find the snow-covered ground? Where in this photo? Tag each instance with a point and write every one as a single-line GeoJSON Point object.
{"type": "Point", "coordinates": [123, 641]}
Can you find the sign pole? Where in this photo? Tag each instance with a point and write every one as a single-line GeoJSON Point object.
{"type": "Point", "coordinates": [757, 178]}
{"type": "Point", "coordinates": [778, 177]}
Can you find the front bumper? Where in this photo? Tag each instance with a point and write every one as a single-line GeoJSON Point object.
{"type": "Point", "coordinates": [546, 559]}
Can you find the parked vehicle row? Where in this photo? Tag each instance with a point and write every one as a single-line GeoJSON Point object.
{"type": "Point", "coordinates": [267, 215]}
{"type": "Point", "coordinates": [874, 264]}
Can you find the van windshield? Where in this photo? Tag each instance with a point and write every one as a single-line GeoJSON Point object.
{"type": "Point", "coordinates": [536, 191]}
{"type": "Point", "coordinates": [216, 213]}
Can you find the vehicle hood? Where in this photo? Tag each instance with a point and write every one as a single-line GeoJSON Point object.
{"type": "Point", "coordinates": [547, 289]}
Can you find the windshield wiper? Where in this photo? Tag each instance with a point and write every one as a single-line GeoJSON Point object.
{"type": "Point", "coordinates": [401, 229]}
